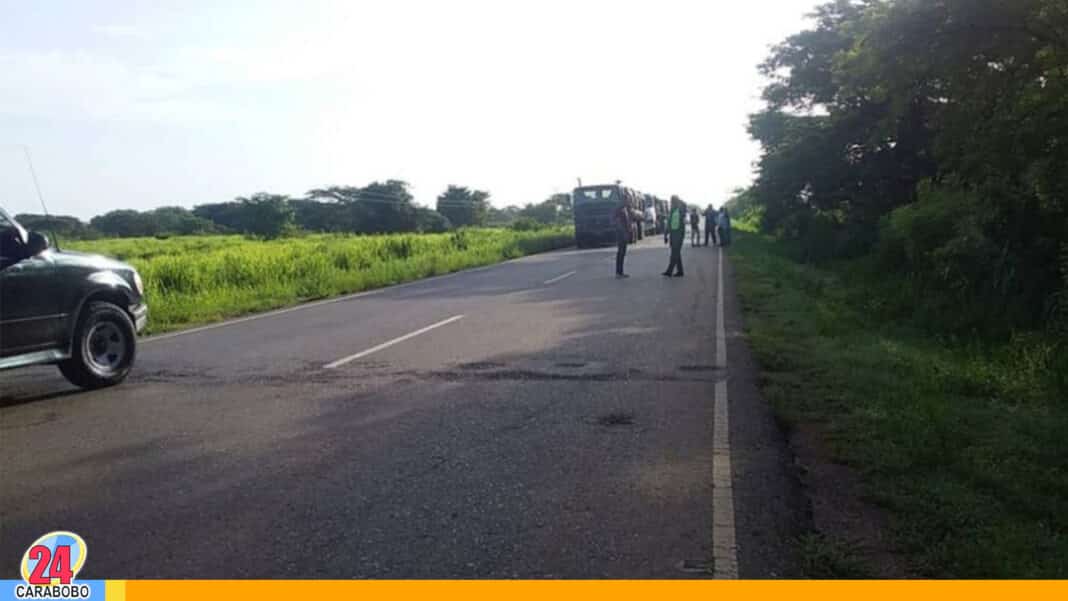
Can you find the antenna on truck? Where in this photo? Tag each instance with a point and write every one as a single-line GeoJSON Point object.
{"type": "Point", "coordinates": [37, 186]}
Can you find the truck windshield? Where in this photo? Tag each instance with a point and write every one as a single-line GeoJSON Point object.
{"type": "Point", "coordinates": [594, 194]}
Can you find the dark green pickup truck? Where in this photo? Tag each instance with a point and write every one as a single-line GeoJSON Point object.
{"type": "Point", "coordinates": [80, 312]}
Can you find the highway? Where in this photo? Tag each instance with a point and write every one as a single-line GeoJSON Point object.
{"type": "Point", "coordinates": [533, 419]}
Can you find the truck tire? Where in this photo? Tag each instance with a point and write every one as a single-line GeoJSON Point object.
{"type": "Point", "coordinates": [103, 348]}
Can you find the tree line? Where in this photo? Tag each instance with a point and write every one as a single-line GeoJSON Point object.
{"type": "Point", "coordinates": [930, 136]}
{"type": "Point", "coordinates": [379, 207]}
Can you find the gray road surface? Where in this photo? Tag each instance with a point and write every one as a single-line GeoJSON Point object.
{"type": "Point", "coordinates": [555, 430]}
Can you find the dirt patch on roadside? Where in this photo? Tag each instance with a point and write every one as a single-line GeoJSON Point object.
{"type": "Point", "coordinates": [850, 537]}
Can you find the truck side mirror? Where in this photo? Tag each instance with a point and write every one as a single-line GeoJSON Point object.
{"type": "Point", "coordinates": [36, 243]}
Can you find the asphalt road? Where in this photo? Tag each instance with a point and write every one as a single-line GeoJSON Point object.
{"type": "Point", "coordinates": [562, 427]}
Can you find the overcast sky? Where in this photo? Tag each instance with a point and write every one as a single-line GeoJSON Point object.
{"type": "Point", "coordinates": [139, 105]}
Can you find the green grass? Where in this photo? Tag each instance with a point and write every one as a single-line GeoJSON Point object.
{"type": "Point", "coordinates": [192, 280]}
{"type": "Point", "coordinates": [823, 557]}
{"type": "Point", "coordinates": [963, 443]}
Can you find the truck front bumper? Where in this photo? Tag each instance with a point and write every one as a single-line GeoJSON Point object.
{"type": "Point", "coordinates": [140, 316]}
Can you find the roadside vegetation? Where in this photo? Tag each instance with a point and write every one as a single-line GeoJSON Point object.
{"type": "Point", "coordinates": [934, 137]}
{"type": "Point", "coordinates": [906, 279]}
{"type": "Point", "coordinates": [199, 279]}
{"type": "Point", "coordinates": [960, 440]}
{"type": "Point", "coordinates": [377, 208]}
{"type": "Point", "coordinates": [264, 251]}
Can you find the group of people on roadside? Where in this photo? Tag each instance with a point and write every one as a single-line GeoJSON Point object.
{"type": "Point", "coordinates": [717, 227]}
{"type": "Point", "coordinates": [717, 230]}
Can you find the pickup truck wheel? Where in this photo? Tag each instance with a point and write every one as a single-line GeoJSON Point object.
{"type": "Point", "coordinates": [103, 348]}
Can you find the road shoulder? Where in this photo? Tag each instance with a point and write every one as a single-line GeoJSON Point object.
{"type": "Point", "coordinates": [771, 513]}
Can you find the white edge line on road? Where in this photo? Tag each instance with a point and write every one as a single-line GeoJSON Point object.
{"type": "Point", "coordinates": [724, 544]}
{"type": "Point", "coordinates": [559, 278]}
{"type": "Point", "coordinates": [385, 345]}
{"type": "Point", "coordinates": [339, 299]}
{"type": "Point", "coordinates": [721, 330]}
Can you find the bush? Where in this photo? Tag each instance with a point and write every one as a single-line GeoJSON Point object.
{"type": "Point", "coordinates": [1058, 314]}
{"type": "Point", "coordinates": [431, 221]}
{"type": "Point", "coordinates": [958, 277]}
{"type": "Point", "coordinates": [818, 234]}
{"type": "Point", "coordinates": [526, 224]}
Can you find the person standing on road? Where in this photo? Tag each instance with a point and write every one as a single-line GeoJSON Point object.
{"type": "Point", "coordinates": [695, 228]}
{"type": "Point", "coordinates": [677, 230]}
{"type": "Point", "coordinates": [637, 217]}
{"type": "Point", "coordinates": [664, 225]}
{"type": "Point", "coordinates": [710, 225]}
{"type": "Point", "coordinates": [623, 233]}
{"type": "Point", "coordinates": [724, 227]}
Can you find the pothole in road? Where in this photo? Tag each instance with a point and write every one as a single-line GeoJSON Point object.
{"type": "Point", "coordinates": [571, 364]}
{"type": "Point", "coordinates": [616, 418]}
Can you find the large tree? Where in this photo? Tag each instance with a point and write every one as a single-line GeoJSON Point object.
{"type": "Point", "coordinates": [315, 216]}
{"type": "Point", "coordinates": [889, 116]}
{"type": "Point", "coordinates": [179, 220]}
{"type": "Point", "coordinates": [266, 215]}
{"type": "Point", "coordinates": [431, 221]}
{"type": "Point", "coordinates": [463, 206]}
{"type": "Point", "coordinates": [553, 210]}
{"type": "Point", "coordinates": [225, 215]}
{"type": "Point", "coordinates": [376, 208]}
{"type": "Point", "coordinates": [498, 217]}
{"type": "Point", "coordinates": [63, 226]}
{"type": "Point", "coordinates": [124, 223]}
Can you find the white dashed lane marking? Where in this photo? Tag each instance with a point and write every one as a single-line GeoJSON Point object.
{"type": "Point", "coordinates": [559, 278]}
{"type": "Point", "coordinates": [387, 344]}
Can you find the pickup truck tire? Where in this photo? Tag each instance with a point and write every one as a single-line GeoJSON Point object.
{"type": "Point", "coordinates": [103, 348]}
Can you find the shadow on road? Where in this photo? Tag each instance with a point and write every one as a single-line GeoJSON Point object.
{"type": "Point", "coordinates": [8, 399]}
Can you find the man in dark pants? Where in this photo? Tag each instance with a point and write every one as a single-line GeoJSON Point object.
{"type": "Point", "coordinates": [711, 218]}
{"type": "Point", "coordinates": [677, 231]}
{"type": "Point", "coordinates": [623, 232]}
{"type": "Point", "coordinates": [724, 227]}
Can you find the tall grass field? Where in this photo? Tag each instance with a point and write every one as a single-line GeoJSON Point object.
{"type": "Point", "coordinates": [193, 280]}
